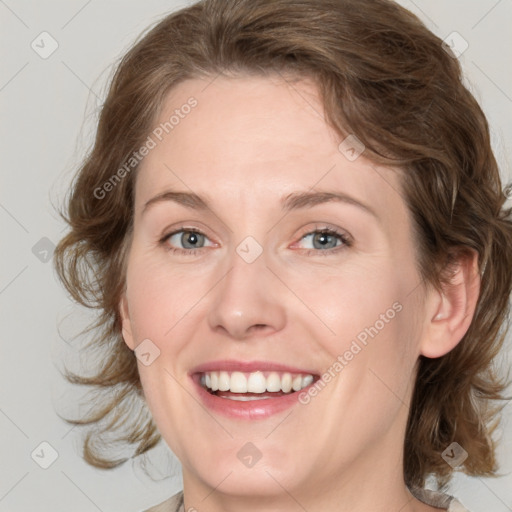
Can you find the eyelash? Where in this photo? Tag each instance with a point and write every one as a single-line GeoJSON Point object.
{"type": "Point", "coordinates": [346, 242]}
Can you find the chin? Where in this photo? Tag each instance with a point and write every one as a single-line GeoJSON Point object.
{"type": "Point", "coordinates": [260, 483]}
{"type": "Point", "coordinates": [238, 468]}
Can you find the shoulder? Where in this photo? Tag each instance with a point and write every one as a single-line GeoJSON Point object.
{"type": "Point", "coordinates": [173, 504]}
{"type": "Point", "coordinates": [438, 499]}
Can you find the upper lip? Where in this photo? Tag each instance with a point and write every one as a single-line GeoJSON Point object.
{"type": "Point", "coordinates": [231, 365]}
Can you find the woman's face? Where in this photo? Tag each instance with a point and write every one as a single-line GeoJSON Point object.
{"type": "Point", "coordinates": [277, 256]}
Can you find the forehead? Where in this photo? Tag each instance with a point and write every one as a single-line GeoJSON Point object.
{"type": "Point", "coordinates": [252, 140]}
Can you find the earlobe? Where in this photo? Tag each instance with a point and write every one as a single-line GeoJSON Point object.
{"type": "Point", "coordinates": [452, 308]}
{"type": "Point", "coordinates": [126, 325]}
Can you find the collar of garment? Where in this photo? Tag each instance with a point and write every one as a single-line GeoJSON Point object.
{"type": "Point", "coordinates": [432, 498]}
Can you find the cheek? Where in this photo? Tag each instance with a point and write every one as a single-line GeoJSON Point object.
{"type": "Point", "coordinates": [347, 301]}
{"type": "Point", "coordinates": [365, 321]}
{"type": "Point", "coordinates": [160, 298]}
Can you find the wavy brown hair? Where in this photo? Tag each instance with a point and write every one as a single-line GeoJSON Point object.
{"type": "Point", "coordinates": [382, 76]}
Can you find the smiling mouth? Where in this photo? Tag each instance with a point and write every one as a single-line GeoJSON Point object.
{"type": "Point", "coordinates": [258, 385]}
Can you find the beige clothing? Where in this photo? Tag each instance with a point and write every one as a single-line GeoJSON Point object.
{"type": "Point", "coordinates": [432, 498]}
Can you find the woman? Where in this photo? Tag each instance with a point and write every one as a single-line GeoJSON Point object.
{"type": "Point", "coordinates": [292, 223]}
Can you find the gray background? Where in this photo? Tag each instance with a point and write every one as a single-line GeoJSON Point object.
{"type": "Point", "coordinates": [47, 113]}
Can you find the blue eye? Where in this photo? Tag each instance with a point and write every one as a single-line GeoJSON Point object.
{"type": "Point", "coordinates": [325, 242]}
{"type": "Point", "coordinates": [190, 240]}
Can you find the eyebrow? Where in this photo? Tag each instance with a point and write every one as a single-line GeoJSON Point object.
{"type": "Point", "coordinates": [294, 201]}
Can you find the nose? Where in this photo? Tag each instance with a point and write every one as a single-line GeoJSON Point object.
{"type": "Point", "coordinates": [249, 300]}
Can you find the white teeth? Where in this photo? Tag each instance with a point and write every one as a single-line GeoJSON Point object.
{"type": "Point", "coordinates": [254, 382]}
{"type": "Point", "coordinates": [214, 377]}
{"type": "Point", "coordinates": [307, 380]}
{"type": "Point", "coordinates": [244, 398]}
{"type": "Point", "coordinates": [238, 383]}
{"type": "Point", "coordinates": [273, 382]}
{"type": "Point", "coordinates": [224, 381]}
{"type": "Point", "coordinates": [297, 383]}
{"type": "Point", "coordinates": [286, 383]}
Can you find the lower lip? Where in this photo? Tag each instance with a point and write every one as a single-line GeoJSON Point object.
{"type": "Point", "coordinates": [250, 410]}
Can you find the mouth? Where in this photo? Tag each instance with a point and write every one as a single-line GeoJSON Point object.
{"type": "Point", "coordinates": [258, 385]}
{"type": "Point", "coordinates": [250, 390]}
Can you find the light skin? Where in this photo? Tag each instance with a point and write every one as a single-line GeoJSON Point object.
{"type": "Point", "coordinates": [249, 143]}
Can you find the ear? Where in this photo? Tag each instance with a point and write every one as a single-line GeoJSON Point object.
{"type": "Point", "coordinates": [451, 309]}
{"type": "Point", "coordinates": [126, 322]}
